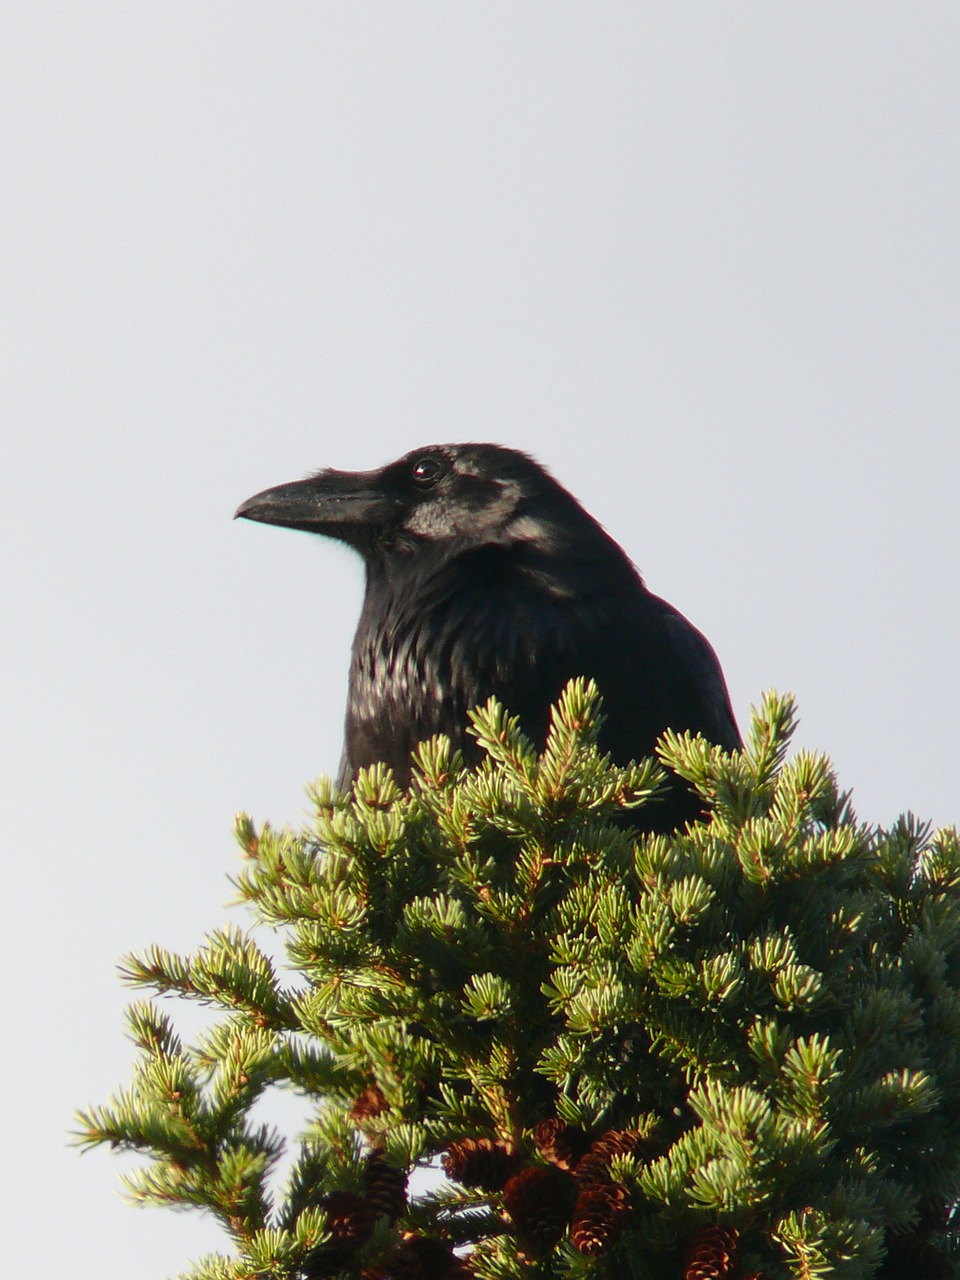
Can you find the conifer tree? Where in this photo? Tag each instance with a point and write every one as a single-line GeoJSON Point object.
{"type": "Point", "coordinates": [732, 1052]}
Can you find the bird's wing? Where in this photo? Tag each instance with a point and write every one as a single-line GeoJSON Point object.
{"type": "Point", "coordinates": [706, 674]}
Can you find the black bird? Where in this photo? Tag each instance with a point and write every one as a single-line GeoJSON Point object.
{"type": "Point", "coordinates": [485, 576]}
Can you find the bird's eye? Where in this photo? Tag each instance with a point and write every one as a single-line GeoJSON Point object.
{"type": "Point", "coordinates": [426, 472]}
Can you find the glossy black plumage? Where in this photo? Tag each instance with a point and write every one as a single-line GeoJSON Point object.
{"type": "Point", "coordinates": [485, 576]}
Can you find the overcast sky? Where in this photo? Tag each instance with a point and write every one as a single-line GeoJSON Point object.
{"type": "Point", "coordinates": [701, 260]}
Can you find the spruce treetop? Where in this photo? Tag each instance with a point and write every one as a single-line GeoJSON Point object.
{"type": "Point", "coordinates": [727, 1052]}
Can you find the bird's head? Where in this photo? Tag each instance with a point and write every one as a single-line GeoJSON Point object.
{"type": "Point", "coordinates": [452, 495]}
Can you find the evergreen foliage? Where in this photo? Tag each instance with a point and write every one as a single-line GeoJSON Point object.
{"type": "Point", "coordinates": [734, 1051]}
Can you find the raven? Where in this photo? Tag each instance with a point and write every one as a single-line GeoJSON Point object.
{"type": "Point", "coordinates": [485, 576]}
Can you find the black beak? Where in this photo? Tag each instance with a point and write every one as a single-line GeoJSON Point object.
{"type": "Point", "coordinates": [341, 504]}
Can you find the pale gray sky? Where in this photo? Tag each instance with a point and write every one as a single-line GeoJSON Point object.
{"type": "Point", "coordinates": [702, 260]}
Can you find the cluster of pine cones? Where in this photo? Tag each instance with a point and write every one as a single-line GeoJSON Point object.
{"type": "Point", "coordinates": [351, 1218]}
{"type": "Point", "coordinates": [573, 1190]}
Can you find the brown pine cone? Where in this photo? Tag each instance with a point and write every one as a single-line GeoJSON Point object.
{"type": "Point", "coordinates": [349, 1218]}
{"type": "Point", "coordinates": [422, 1258]}
{"type": "Point", "coordinates": [350, 1223]}
{"type": "Point", "coordinates": [712, 1254]}
{"type": "Point", "coordinates": [561, 1143]}
{"type": "Point", "coordinates": [479, 1162]}
{"type": "Point", "coordinates": [594, 1167]}
{"type": "Point", "coordinates": [600, 1214]}
{"type": "Point", "coordinates": [384, 1187]}
{"type": "Point", "coordinates": [369, 1104]}
{"type": "Point", "coordinates": [539, 1201]}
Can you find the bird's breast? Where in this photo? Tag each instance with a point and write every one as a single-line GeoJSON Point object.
{"type": "Point", "coordinates": [421, 661]}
